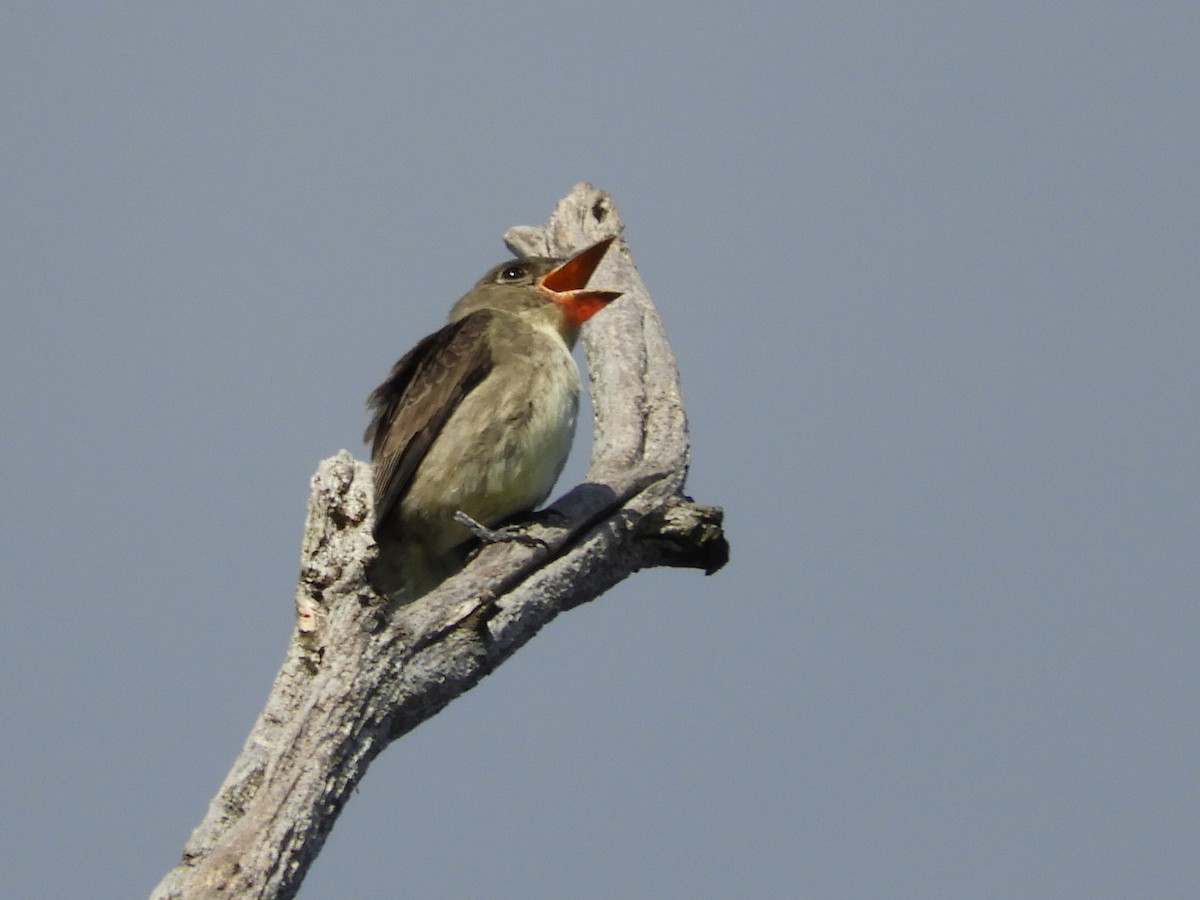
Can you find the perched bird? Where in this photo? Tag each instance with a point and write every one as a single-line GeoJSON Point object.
{"type": "Point", "coordinates": [478, 417]}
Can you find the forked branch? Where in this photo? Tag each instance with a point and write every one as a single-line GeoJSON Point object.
{"type": "Point", "coordinates": [359, 674]}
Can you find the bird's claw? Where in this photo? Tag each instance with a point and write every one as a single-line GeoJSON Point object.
{"type": "Point", "coordinates": [513, 534]}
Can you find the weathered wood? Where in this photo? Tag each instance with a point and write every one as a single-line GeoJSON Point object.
{"type": "Point", "coordinates": [359, 674]}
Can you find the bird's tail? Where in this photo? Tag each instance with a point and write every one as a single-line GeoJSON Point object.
{"type": "Point", "coordinates": [405, 570]}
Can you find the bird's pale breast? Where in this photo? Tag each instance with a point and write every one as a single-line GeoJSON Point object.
{"type": "Point", "coordinates": [494, 466]}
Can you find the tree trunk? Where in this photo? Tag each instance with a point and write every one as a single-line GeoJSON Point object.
{"type": "Point", "coordinates": [358, 674]}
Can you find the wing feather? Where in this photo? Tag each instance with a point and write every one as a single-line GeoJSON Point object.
{"type": "Point", "coordinates": [410, 408]}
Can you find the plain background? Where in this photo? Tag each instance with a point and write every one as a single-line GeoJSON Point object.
{"type": "Point", "coordinates": [931, 272]}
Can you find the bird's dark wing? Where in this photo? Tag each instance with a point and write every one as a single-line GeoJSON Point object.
{"type": "Point", "coordinates": [409, 409]}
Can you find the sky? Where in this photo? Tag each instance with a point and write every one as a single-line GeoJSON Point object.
{"type": "Point", "coordinates": [930, 272]}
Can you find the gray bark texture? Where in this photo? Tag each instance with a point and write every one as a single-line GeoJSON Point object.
{"type": "Point", "coordinates": [359, 674]}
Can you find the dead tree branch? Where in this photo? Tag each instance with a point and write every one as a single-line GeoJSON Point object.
{"type": "Point", "coordinates": [358, 675]}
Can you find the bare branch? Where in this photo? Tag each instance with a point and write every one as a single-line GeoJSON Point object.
{"type": "Point", "coordinates": [358, 674]}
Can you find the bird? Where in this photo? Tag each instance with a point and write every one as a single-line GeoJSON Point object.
{"type": "Point", "coordinates": [476, 421]}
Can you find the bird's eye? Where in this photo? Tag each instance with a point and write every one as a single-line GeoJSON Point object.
{"type": "Point", "coordinates": [513, 273]}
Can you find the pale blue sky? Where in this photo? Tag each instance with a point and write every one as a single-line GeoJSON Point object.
{"type": "Point", "coordinates": [931, 272]}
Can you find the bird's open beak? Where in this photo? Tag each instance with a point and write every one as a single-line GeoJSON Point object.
{"type": "Point", "coordinates": [567, 283]}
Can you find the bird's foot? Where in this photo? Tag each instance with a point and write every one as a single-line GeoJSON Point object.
{"type": "Point", "coordinates": [514, 534]}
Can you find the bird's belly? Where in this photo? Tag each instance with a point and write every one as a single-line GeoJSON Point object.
{"type": "Point", "coordinates": [501, 451]}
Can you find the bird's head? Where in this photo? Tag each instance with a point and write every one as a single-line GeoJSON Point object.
{"type": "Point", "coordinates": [542, 289]}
